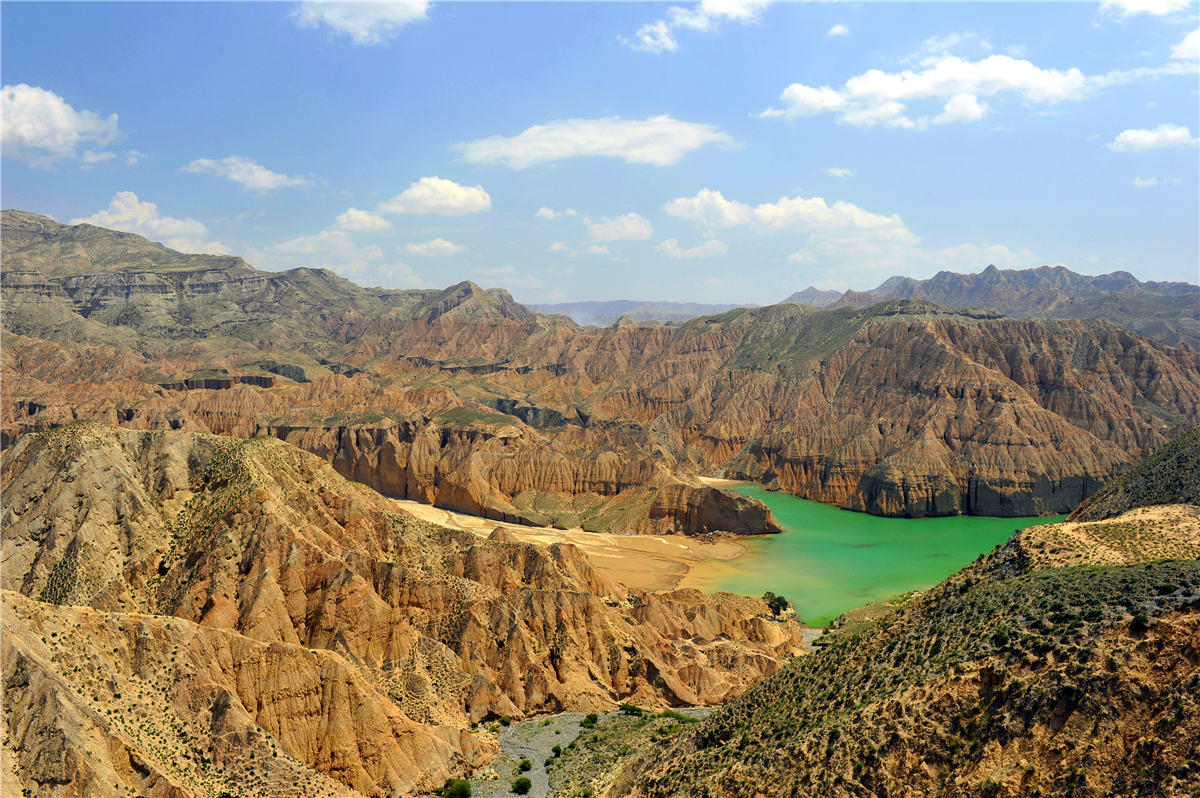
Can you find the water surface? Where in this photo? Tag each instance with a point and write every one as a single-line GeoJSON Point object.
{"type": "Point", "coordinates": [830, 560]}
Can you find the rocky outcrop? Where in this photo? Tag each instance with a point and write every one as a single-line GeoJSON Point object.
{"type": "Point", "coordinates": [252, 601]}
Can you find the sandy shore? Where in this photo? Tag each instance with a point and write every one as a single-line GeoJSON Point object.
{"type": "Point", "coordinates": [647, 562]}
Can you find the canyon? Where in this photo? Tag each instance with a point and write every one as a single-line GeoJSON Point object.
{"type": "Point", "coordinates": [468, 400]}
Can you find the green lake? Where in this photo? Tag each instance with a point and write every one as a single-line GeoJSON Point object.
{"type": "Point", "coordinates": [830, 560]}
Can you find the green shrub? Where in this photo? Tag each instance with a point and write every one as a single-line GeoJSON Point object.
{"type": "Point", "coordinates": [631, 709]}
{"type": "Point", "coordinates": [525, 765]}
{"type": "Point", "coordinates": [521, 785]}
{"type": "Point", "coordinates": [456, 788]}
{"type": "Point", "coordinates": [590, 721]}
{"type": "Point", "coordinates": [556, 750]}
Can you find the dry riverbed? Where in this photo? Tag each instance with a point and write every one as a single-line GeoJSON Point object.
{"type": "Point", "coordinates": [585, 756]}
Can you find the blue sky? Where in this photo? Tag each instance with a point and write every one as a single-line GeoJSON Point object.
{"type": "Point", "coordinates": [720, 151]}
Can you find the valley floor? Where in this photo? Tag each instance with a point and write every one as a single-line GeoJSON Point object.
{"type": "Point", "coordinates": [646, 562]}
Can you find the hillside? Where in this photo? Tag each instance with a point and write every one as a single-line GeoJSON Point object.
{"type": "Point", "coordinates": [1170, 475]}
{"type": "Point", "coordinates": [207, 614]}
{"type": "Point", "coordinates": [1168, 312]}
{"type": "Point", "coordinates": [465, 398]}
{"type": "Point", "coordinates": [1065, 662]}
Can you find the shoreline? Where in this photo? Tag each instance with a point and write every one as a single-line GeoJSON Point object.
{"type": "Point", "coordinates": [642, 562]}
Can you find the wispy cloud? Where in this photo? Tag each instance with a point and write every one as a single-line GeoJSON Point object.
{"type": "Point", "coordinates": [246, 174]}
{"type": "Point", "coordinates": [659, 141]}
{"type": "Point", "coordinates": [707, 16]}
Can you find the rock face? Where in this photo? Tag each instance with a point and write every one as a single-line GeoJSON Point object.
{"type": "Point", "coordinates": [205, 611]}
{"type": "Point", "coordinates": [465, 398]}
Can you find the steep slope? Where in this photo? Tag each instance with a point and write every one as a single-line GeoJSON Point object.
{"type": "Point", "coordinates": [1172, 474]}
{"type": "Point", "coordinates": [230, 600]}
{"type": "Point", "coordinates": [1066, 662]}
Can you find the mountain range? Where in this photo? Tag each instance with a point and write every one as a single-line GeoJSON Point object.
{"type": "Point", "coordinates": [207, 590]}
{"type": "Point", "coordinates": [464, 398]}
{"type": "Point", "coordinates": [1168, 312]}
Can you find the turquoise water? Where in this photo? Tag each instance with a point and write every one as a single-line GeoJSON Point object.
{"type": "Point", "coordinates": [830, 560]}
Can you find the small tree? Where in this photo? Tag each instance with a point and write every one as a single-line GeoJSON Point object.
{"type": "Point", "coordinates": [521, 785]}
{"type": "Point", "coordinates": [775, 603]}
{"type": "Point", "coordinates": [524, 765]}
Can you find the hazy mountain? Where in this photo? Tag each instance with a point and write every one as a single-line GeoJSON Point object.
{"type": "Point", "coordinates": [602, 314]}
{"type": "Point", "coordinates": [1166, 311]}
{"type": "Point", "coordinates": [815, 297]}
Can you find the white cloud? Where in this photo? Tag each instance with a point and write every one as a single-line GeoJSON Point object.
{"type": "Point", "coordinates": [248, 175]}
{"type": "Point", "coordinates": [710, 209]}
{"type": "Point", "coordinates": [709, 249]}
{"type": "Point", "coordinates": [839, 171]}
{"type": "Point", "coordinates": [1188, 49]}
{"type": "Point", "coordinates": [129, 214]}
{"type": "Point", "coordinates": [814, 215]}
{"type": "Point", "coordinates": [435, 248]}
{"type": "Point", "coordinates": [133, 156]}
{"type": "Point", "coordinates": [838, 30]}
{"type": "Point", "coordinates": [365, 23]}
{"type": "Point", "coordinates": [882, 98]}
{"type": "Point", "coordinates": [1123, 9]}
{"type": "Point", "coordinates": [439, 196]}
{"type": "Point", "coordinates": [549, 213]}
{"type": "Point", "coordinates": [626, 227]}
{"type": "Point", "coordinates": [358, 221]}
{"type": "Point", "coordinates": [41, 128]}
{"type": "Point", "coordinates": [962, 108]}
{"type": "Point", "coordinates": [706, 16]}
{"type": "Point", "coordinates": [1163, 136]}
{"type": "Point", "coordinates": [90, 157]}
{"type": "Point", "coordinates": [1148, 182]}
{"type": "Point", "coordinates": [847, 239]}
{"type": "Point", "coordinates": [557, 246]}
{"type": "Point", "coordinates": [659, 140]}
{"type": "Point", "coordinates": [596, 249]}
{"type": "Point", "coordinates": [335, 250]}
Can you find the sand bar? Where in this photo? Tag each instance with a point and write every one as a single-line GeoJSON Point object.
{"type": "Point", "coordinates": [647, 562]}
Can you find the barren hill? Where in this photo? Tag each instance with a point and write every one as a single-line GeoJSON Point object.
{"type": "Point", "coordinates": [211, 614]}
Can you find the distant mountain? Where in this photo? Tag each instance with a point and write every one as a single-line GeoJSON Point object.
{"type": "Point", "coordinates": [814, 297]}
{"type": "Point", "coordinates": [603, 314]}
{"type": "Point", "coordinates": [1166, 311]}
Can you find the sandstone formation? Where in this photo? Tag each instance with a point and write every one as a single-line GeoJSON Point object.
{"type": "Point", "coordinates": [464, 398]}
{"type": "Point", "coordinates": [186, 614]}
